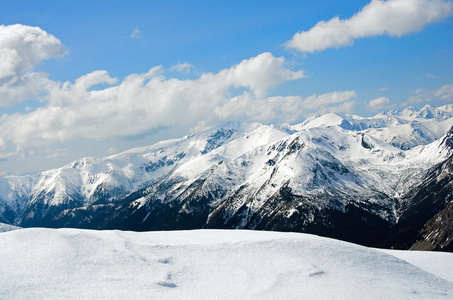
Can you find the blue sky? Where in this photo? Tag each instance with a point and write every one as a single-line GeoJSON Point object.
{"type": "Point", "coordinates": [92, 78]}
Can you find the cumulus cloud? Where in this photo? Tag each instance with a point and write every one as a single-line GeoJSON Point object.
{"type": "Point", "coordinates": [22, 48]}
{"type": "Point", "coordinates": [259, 73]}
{"type": "Point", "coordinates": [378, 103]}
{"type": "Point", "coordinates": [393, 17]}
{"type": "Point", "coordinates": [20, 88]}
{"type": "Point", "coordinates": [144, 102]}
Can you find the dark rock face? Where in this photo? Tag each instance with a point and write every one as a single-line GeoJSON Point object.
{"type": "Point", "coordinates": [217, 139]}
{"type": "Point", "coordinates": [437, 233]}
{"type": "Point", "coordinates": [427, 224]}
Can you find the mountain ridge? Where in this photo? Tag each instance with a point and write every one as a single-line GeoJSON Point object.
{"type": "Point", "coordinates": [321, 176]}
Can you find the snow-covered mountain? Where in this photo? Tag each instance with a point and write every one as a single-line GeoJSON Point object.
{"type": "Point", "coordinates": [347, 177]}
{"type": "Point", "coordinates": [404, 129]}
{"type": "Point", "coordinates": [212, 264]}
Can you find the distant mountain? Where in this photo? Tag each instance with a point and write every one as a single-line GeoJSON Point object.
{"type": "Point", "coordinates": [403, 129]}
{"type": "Point", "coordinates": [373, 181]}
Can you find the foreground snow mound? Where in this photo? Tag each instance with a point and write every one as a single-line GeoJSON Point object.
{"type": "Point", "coordinates": [70, 263]}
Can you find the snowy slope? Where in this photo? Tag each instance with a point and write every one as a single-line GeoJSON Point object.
{"type": "Point", "coordinates": [318, 163]}
{"type": "Point", "coordinates": [211, 264]}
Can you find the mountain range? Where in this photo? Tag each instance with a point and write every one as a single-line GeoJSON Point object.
{"type": "Point", "coordinates": [383, 181]}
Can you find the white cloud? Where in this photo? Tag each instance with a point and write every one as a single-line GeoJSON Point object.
{"type": "Point", "coordinates": [22, 48]}
{"type": "Point", "coordinates": [329, 98]}
{"type": "Point", "coordinates": [96, 77]}
{"type": "Point", "coordinates": [345, 107]}
{"type": "Point", "coordinates": [144, 102]}
{"type": "Point", "coordinates": [378, 103]}
{"type": "Point", "coordinates": [393, 17]}
{"type": "Point", "coordinates": [98, 106]}
{"type": "Point", "coordinates": [24, 87]}
{"type": "Point", "coordinates": [281, 109]}
{"type": "Point", "coordinates": [445, 93]}
{"type": "Point", "coordinates": [259, 73]}
{"type": "Point", "coordinates": [182, 68]}
{"type": "Point", "coordinates": [420, 95]}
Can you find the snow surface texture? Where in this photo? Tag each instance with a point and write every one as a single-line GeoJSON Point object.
{"type": "Point", "coordinates": [38, 263]}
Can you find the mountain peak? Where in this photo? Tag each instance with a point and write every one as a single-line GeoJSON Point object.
{"type": "Point", "coordinates": [426, 112]}
{"type": "Point", "coordinates": [326, 120]}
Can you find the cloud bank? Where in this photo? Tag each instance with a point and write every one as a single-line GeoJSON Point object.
{"type": "Point", "coordinates": [137, 104]}
{"type": "Point", "coordinates": [98, 106]}
{"type": "Point", "coordinates": [393, 17]}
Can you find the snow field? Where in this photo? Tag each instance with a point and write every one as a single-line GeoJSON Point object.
{"type": "Point", "coordinates": [218, 264]}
